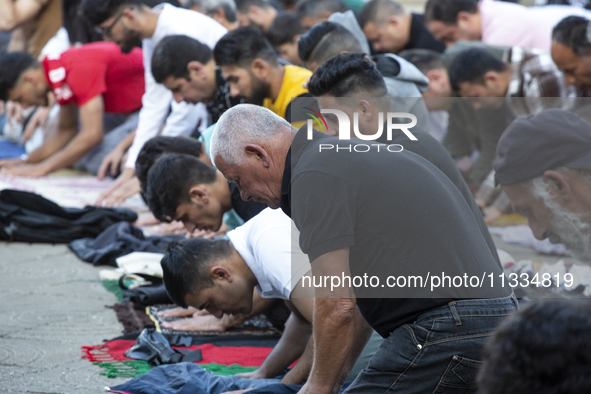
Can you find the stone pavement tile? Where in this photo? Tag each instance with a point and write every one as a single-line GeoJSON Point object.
{"type": "Point", "coordinates": [51, 305]}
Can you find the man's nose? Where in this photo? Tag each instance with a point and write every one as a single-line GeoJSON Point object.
{"type": "Point", "coordinates": [540, 232]}
{"type": "Point", "coordinates": [189, 226]}
{"type": "Point", "coordinates": [234, 91]}
{"type": "Point", "coordinates": [177, 97]}
{"type": "Point", "coordinates": [570, 80]}
{"type": "Point", "coordinates": [216, 312]}
{"type": "Point", "coordinates": [245, 195]}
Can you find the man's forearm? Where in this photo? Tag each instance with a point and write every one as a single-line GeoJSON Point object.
{"type": "Point", "coordinates": [126, 142]}
{"type": "Point", "coordinates": [334, 328]}
{"type": "Point", "coordinates": [80, 145]}
{"type": "Point", "coordinates": [16, 12]}
{"type": "Point", "coordinates": [56, 141]}
{"type": "Point", "coordinates": [300, 372]}
{"type": "Point", "coordinates": [291, 345]}
{"type": "Point", "coordinates": [363, 332]}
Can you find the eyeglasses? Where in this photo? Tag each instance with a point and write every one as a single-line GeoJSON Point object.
{"type": "Point", "coordinates": [107, 31]}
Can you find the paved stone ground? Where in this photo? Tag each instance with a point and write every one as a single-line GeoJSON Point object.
{"type": "Point", "coordinates": [51, 303]}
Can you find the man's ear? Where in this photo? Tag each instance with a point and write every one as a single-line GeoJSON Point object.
{"type": "Point", "coordinates": [296, 38]}
{"type": "Point", "coordinates": [130, 13]}
{"type": "Point", "coordinates": [560, 185]}
{"type": "Point", "coordinates": [28, 76]}
{"type": "Point", "coordinates": [434, 75]}
{"type": "Point", "coordinates": [196, 68]}
{"type": "Point", "coordinates": [491, 78]}
{"type": "Point", "coordinates": [199, 194]}
{"type": "Point", "coordinates": [255, 150]}
{"type": "Point", "coordinates": [393, 20]}
{"type": "Point", "coordinates": [366, 111]}
{"type": "Point", "coordinates": [254, 10]}
{"type": "Point", "coordinates": [219, 272]}
{"type": "Point", "coordinates": [220, 13]}
{"type": "Point", "coordinates": [260, 68]}
{"type": "Point", "coordinates": [464, 18]}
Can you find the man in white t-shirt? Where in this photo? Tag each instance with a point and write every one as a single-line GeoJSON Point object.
{"type": "Point", "coordinates": [129, 23]}
{"type": "Point", "coordinates": [221, 276]}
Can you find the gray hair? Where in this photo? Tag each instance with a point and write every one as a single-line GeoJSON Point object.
{"type": "Point", "coordinates": [569, 227]}
{"type": "Point", "coordinates": [241, 125]}
{"type": "Point", "coordinates": [209, 7]}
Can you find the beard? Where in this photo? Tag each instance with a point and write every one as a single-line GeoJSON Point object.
{"type": "Point", "coordinates": [258, 92]}
{"type": "Point", "coordinates": [569, 229]}
{"type": "Point", "coordinates": [132, 40]}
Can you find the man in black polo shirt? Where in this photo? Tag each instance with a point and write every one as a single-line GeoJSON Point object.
{"type": "Point", "coordinates": [373, 214]}
{"type": "Point", "coordinates": [391, 29]}
{"type": "Point", "coordinates": [350, 82]}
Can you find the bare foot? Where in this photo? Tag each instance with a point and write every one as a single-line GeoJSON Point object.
{"type": "Point", "coordinates": [177, 312]}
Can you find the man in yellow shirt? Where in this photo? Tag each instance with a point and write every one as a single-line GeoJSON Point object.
{"type": "Point", "coordinates": [249, 64]}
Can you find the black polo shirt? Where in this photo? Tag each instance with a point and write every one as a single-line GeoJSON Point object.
{"type": "Point", "coordinates": [422, 38]}
{"type": "Point", "coordinates": [245, 209]}
{"type": "Point", "coordinates": [397, 213]}
{"type": "Point", "coordinates": [430, 149]}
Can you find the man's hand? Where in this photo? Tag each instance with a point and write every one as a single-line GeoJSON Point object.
{"type": "Point", "coordinates": [8, 163]}
{"type": "Point", "coordinates": [114, 193]}
{"type": "Point", "coordinates": [28, 170]}
{"type": "Point", "coordinates": [198, 323]}
{"type": "Point", "coordinates": [207, 234]}
{"type": "Point", "coordinates": [111, 164]}
{"type": "Point", "coordinates": [481, 203]}
{"type": "Point", "coordinates": [39, 119]}
{"type": "Point", "coordinates": [178, 312]}
{"type": "Point", "coordinates": [491, 214]}
{"type": "Point", "coordinates": [14, 111]}
{"type": "Point", "coordinates": [252, 375]}
{"type": "Point", "coordinates": [465, 165]}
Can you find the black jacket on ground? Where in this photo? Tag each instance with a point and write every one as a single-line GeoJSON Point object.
{"type": "Point", "coordinates": [28, 217]}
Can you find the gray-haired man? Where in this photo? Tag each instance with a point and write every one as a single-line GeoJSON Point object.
{"type": "Point", "coordinates": [358, 217]}
{"type": "Point", "coordinates": [544, 167]}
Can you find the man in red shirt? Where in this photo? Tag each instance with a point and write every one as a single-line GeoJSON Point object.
{"type": "Point", "coordinates": [87, 82]}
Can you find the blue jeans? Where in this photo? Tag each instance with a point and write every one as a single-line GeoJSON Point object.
{"type": "Point", "coordinates": [439, 353]}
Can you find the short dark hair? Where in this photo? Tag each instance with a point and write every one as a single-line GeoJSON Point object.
{"type": "Point", "coordinates": [170, 180]}
{"type": "Point", "coordinates": [543, 348]}
{"type": "Point", "coordinates": [378, 10]}
{"type": "Point", "coordinates": [345, 75]}
{"type": "Point", "coordinates": [156, 147]}
{"type": "Point", "coordinates": [174, 53]}
{"type": "Point", "coordinates": [243, 5]}
{"type": "Point", "coordinates": [98, 11]}
{"type": "Point", "coordinates": [209, 7]}
{"type": "Point", "coordinates": [471, 65]}
{"type": "Point", "coordinates": [572, 32]}
{"type": "Point", "coordinates": [284, 28]}
{"type": "Point", "coordinates": [12, 66]}
{"type": "Point", "coordinates": [185, 266]}
{"type": "Point", "coordinates": [325, 40]}
{"type": "Point", "coordinates": [423, 59]}
{"type": "Point", "coordinates": [447, 11]}
{"type": "Point", "coordinates": [243, 45]}
{"type": "Point", "coordinates": [314, 7]}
